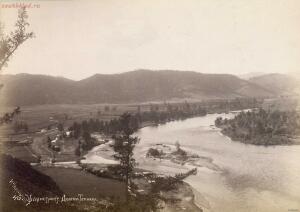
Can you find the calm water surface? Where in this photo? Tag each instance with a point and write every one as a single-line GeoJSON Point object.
{"type": "Point", "coordinates": [239, 177]}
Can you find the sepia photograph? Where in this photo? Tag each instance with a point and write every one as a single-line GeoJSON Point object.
{"type": "Point", "coordinates": [149, 106]}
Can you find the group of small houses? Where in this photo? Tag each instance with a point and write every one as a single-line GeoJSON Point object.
{"type": "Point", "coordinates": [54, 143]}
{"type": "Point", "coordinates": [57, 139]}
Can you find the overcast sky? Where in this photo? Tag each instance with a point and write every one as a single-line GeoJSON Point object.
{"type": "Point", "coordinates": [77, 39]}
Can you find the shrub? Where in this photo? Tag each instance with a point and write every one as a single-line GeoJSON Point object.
{"type": "Point", "coordinates": [154, 153]}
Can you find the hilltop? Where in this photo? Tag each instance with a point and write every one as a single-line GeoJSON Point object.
{"type": "Point", "coordinates": [135, 86]}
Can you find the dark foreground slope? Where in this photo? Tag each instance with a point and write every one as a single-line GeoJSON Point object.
{"type": "Point", "coordinates": [19, 179]}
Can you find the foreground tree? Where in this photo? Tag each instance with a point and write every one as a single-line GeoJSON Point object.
{"type": "Point", "coordinates": [10, 43]}
{"type": "Point", "coordinates": [124, 146]}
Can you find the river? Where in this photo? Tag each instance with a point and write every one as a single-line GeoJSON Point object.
{"type": "Point", "coordinates": [237, 177]}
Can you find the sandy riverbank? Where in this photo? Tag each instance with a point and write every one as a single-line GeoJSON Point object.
{"type": "Point", "coordinates": [101, 156]}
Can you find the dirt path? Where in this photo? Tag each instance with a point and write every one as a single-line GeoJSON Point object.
{"type": "Point", "coordinates": [39, 148]}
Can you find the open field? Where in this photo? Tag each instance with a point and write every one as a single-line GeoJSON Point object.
{"type": "Point", "coordinates": [43, 116]}
{"type": "Point", "coordinates": [22, 152]}
{"type": "Point", "coordinates": [93, 186]}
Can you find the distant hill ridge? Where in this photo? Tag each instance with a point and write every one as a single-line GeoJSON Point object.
{"type": "Point", "coordinates": [277, 83]}
{"type": "Point", "coordinates": [135, 86]}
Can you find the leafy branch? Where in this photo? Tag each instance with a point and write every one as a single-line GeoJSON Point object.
{"type": "Point", "coordinates": [10, 43]}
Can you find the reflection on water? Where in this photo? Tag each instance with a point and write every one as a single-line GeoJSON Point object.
{"type": "Point", "coordinates": [249, 178]}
